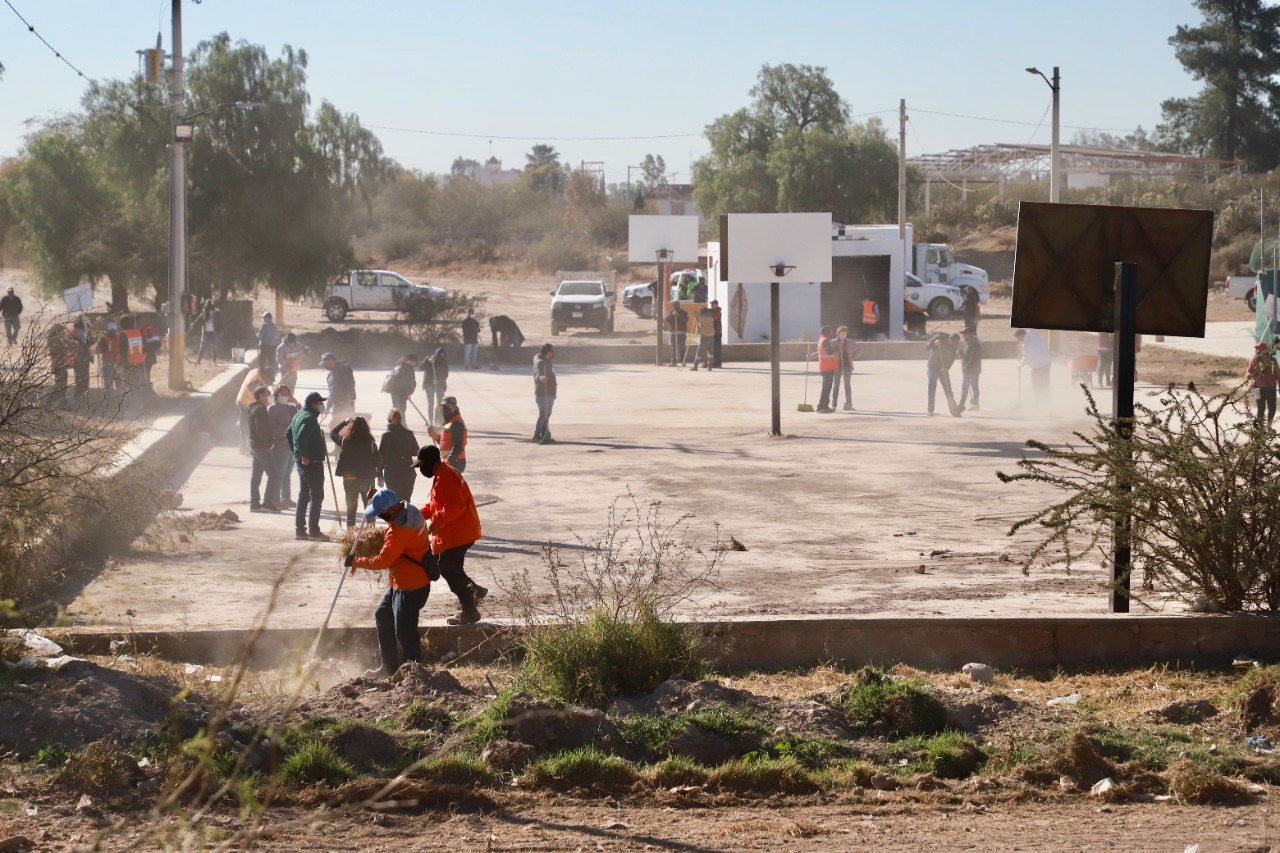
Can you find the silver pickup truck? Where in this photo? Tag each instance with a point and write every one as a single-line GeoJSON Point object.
{"type": "Point", "coordinates": [372, 290]}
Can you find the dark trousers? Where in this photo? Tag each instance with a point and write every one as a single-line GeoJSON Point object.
{"type": "Point", "coordinates": [82, 381]}
{"type": "Point", "coordinates": [267, 357]}
{"type": "Point", "coordinates": [715, 349]}
{"type": "Point", "coordinates": [937, 377]}
{"type": "Point", "coordinates": [1106, 361]}
{"type": "Point", "coordinates": [263, 463]}
{"type": "Point", "coordinates": [397, 621]}
{"type": "Point", "coordinates": [401, 483]}
{"type": "Point", "coordinates": [310, 497]}
{"type": "Point", "coordinates": [1266, 400]}
{"type": "Point", "coordinates": [828, 381]}
{"type": "Point", "coordinates": [677, 349]}
{"type": "Point", "coordinates": [545, 405]}
{"type": "Point", "coordinates": [455, 575]}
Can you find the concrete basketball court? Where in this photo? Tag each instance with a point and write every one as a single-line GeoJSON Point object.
{"type": "Point", "coordinates": [837, 515]}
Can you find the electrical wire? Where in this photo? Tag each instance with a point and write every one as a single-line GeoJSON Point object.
{"type": "Point", "coordinates": [1026, 123]}
{"type": "Point", "coordinates": [938, 174]}
{"type": "Point", "coordinates": [31, 29]}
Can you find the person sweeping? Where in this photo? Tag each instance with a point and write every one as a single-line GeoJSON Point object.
{"type": "Point", "coordinates": [454, 525]}
{"type": "Point", "coordinates": [405, 548]}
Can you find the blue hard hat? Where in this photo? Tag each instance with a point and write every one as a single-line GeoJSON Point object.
{"type": "Point", "coordinates": [382, 500]}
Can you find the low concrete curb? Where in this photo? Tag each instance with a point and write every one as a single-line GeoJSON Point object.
{"type": "Point", "coordinates": [790, 643]}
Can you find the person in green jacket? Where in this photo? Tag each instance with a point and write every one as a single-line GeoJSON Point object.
{"type": "Point", "coordinates": [306, 438]}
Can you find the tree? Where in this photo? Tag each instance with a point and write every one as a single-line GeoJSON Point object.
{"type": "Point", "coordinates": [794, 150]}
{"type": "Point", "coordinates": [1236, 52]}
{"type": "Point", "coordinates": [653, 173]}
{"type": "Point", "coordinates": [464, 167]}
{"type": "Point", "coordinates": [584, 200]}
{"type": "Point", "coordinates": [542, 169]}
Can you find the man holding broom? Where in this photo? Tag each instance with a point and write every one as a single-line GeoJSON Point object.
{"type": "Point", "coordinates": [405, 548]}
{"type": "Point", "coordinates": [454, 525]}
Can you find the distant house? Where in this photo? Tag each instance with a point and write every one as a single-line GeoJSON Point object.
{"type": "Point", "coordinates": [675, 200]}
{"type": "Point", "coordinates": [491, 174]}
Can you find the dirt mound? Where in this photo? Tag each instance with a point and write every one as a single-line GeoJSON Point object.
{"type": "Point", "coordinates": [83, 703]}
{"type": "Point", "coordinates": [1083, 761]}
{"type": "Point", "coordinates": [372, 699]}
{"type": "Point", "coordinates": [677, 696]}
{"type": "Point", "coordinates": [548, 729]}
{"type": "Point", "coordinates": [204, 520]}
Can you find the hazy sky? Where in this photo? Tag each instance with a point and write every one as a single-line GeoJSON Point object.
{"type": "Point", "coordinates": [553, 70]}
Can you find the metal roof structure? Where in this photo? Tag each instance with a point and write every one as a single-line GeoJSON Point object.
{"type": "Point", "coordinates": [1001, 162]}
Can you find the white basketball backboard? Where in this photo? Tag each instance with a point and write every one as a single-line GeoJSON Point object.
{"type": "Point", "coordinates": [646, 235]}
{"type": "Point", "coordinates": [751, 244]}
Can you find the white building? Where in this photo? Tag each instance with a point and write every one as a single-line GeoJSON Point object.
{"type": "Point", "coordinates": [865, 260]}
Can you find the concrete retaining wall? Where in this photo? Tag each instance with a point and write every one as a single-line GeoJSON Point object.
{"type": "Point", "coordinates": [791, 643]}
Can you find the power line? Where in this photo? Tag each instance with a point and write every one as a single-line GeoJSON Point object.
{"type": "Point", "coordinates": [529, 138]}
{"type": "Point", "coordinates": [1026, 123]}
{"type": "Point", "coordinates": [32, 30]}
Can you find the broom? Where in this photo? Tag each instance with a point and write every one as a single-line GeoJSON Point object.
{"type": "Point", "coordinates": [805, 407]}
{"type": "Point", "coordinates": [341, 577]}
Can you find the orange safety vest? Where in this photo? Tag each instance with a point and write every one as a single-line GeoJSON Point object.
{"type": "Point", "coordinates": [252, 383]}
{"type": "Point", "coordinates": [134, 354]}
{"type": "Point", "coordinates": [869, 317]}
{"type": "Point", "coordinates": [111, 352]}
{"type": "Point", "coordinates": [827, 363]}
{"type": "Point", "coordinates": [446, 438]}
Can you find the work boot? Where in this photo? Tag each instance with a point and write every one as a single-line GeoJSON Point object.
{"type": "Point", "coordinates": [478, 593]}
{"type": "Point", "coordinates": [301, 535]}
{"type": "Point", "coordinates": [848, 407]}
{"type": "Point", "coordinates": [256, 508]}
{"type": "Point", "coordinates": [270, 508]}
{"type": "Point", "coordinates": [464, 617]}
{"type": "Point", "coordinates": [317, 536]}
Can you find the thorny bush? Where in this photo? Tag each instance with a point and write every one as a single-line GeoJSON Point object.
{"type": "Point", "coordinates": [607, 627]}
{"type": "Point", "coordinates": [435, 322]}
{"type": "Point", "coordinates": [1203, 494]}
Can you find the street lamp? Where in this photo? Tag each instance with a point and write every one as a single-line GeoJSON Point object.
{"type": "Point", "coordinates": [1056, 86]}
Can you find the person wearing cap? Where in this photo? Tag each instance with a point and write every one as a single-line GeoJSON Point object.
{"type": "Point", "coordinates": [544, 392]}
{"type": "Point", "coordinates": [970, 355]}
{"type": "Point", "coordinates": [470, 340]}
{"type": "Point", "coordinates": [108, 350]}
{"type": "Point", "coordinates": [209, 324]}
{"type": "Point", "coordinates": [260, 443]}
{"type": "Point", "coordinates": [828, 364]}
{"type": "Point", "coordinates": [267, 341]}
{"type": "Point", "coordinates": [258, 377]}
{"type": "Point", "coordinates": [342, 387]}
{"type": "Point", "coordinates": [289, 359]}
{"type": "Point", "coordinates": [11, 310]}
{"type": "Point", "coordinates": [306, 439]}
{"type": "Point", "coordinates": [452, 437]}
{"type": "Point", "coordinates": [405, 550]}
{"type": "Point", "coordinates": [454, 525]}
{"type": "Point", "coordinates": [1263, 374]}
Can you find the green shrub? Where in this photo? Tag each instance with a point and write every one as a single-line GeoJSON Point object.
{"type": "Point", "coordinates": [677, 770]}
{"type": "Point", "coordinates": [814, 753]}
{"type": "Point", "coordinates": [730, 725]}
{"type": "Point", "coordinates": [649, 733]}
{"type": "Point", "coordinates": [586, 767]}
{"type": "Point", "coordinates": [594, 661]}
{"type": "Point", "coordinates": [949, 755]}
{"type": "Point", "coordinates": [898, 708]}
{"type": "Point", "coordinates": [316, 762]}
{"type": "Point", "coordinates": [764, 776]}
{"type": "Point", "coordinates": [465, 770]}
{"type": "Point", "coordinates": [420, 717]}
{"type": "Point", "coordinates": [489, 724]}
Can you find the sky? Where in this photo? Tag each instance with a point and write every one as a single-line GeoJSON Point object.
{"type": "Point", "coordinates": [439, 80]}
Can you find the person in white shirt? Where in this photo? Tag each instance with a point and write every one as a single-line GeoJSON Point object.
{"type": "Point", "coordinates": [1033, 354]}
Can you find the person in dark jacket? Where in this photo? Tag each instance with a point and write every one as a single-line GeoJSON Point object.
{"type": "Point", "coordinates": [261, 440]}
{"type": "Point", "coordinates": [281, 412]}
{"type": "Point", "coordinates": [470, 340]}
{"type": "Point", "coordinates": [544, 393]}
{"type": "Point", "coordinates": [11, 310]}
{"type": "Point", "coordinates": [401, 384]}
{"type": "Point", "coordinates": [359, 462]}
{"type": "Point", "coordinates": [970, 355]}
{"type": "Point", "coordinates": [970, 308]}
{"type": "Point", "coordinates": [82, 359]}
{"type": "Point", "coordinates": [718, 316]}
{"type": "Point", "coordinates": [210, 325]}
{"type": "Point", "coordinates": [306, 438]}
{"type": "Point", "coordinates": [452, 437]}
{"type": "Point", "coordinates": [342, 387]}
{"type": "Point", "coordinates": [399, 449]}
{"type": "Point", "coordinates": [505, 334]}
{"type": "Point", "coordinates": [435, 380]}
{"type": "Point", "coordinates": [942, 354]}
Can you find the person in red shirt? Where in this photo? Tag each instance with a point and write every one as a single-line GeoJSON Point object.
{"type": "Point", "coordinates": [1264, 373]}
{"type": "Point", "coordinates": [454, 525]}
{"type": "Point", "coordinates": [405, 548]}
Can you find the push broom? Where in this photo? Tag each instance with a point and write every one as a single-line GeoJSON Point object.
{"type": "Point", "coordinates": [805, 407]}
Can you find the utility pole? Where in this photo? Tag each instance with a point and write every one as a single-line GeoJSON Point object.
{"type": "Point", "coordinates": [895, 293]}
{"type": "Point", "coordinates": [177, 215]}
{"type": "Point", "coordinates": [1053, 146]}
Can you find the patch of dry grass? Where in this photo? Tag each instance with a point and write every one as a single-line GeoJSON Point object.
{"type": "Point", "coordinates": [1198, 785]}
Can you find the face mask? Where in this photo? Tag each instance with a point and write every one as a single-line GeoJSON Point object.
{"type": "Point", "coordinates": [281, 398]}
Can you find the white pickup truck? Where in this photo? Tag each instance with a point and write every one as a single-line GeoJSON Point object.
{"type": "Point", "coordinates": [939, 300]}
{"type": "Point", "coordinates": [372, 290]}
{"type": "Point", "coordinates": [1242, 287]}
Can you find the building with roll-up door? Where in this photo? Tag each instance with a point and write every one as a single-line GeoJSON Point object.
{"type": "Point", "coordinates": [866, 261]}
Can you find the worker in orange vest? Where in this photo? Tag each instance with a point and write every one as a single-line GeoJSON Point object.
{"type": "Point", "coordinates": [870, 319]}
{"type": "Point", "coordinates": [132, 355]}
{"type": "Point", "coordinates": [258, 377]}
{"type": "Point", "coordinates": [453, 436]}
{"type": "Point", "coordinates": [828, 356]}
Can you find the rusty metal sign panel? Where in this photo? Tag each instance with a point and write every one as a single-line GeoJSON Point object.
{"type": "Point", "coordinates": [1064, 267]}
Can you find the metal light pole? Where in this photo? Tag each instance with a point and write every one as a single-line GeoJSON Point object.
{"type": "Point", "coordinates": [177, 216]}
{"type": "Point", "coordinates": [1056, 86]}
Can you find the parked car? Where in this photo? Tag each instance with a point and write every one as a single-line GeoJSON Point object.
{"type": "Point", "coordinates": [1243, 287]}
{"type": "Point", "coordinates": [373, 290]}
{"type": "Point", "coordinates": [939, 300]}
{"type": "Point", "coordinates": [582, 303]}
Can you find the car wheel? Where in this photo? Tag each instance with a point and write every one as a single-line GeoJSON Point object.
{"type": "Point", "coordinates": [1252, 300]}
{"type": "Point", "coordinates": [335, 310]}
{"type": "Point", "coordinates": [555, 329]}
{"type": "Point", "coordinates": [645, 310]}
{"type": "Point", "coordinates": [941, 309]}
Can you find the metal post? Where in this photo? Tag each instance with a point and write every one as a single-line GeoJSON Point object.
{"type": "Point", "coordinates": [659, 300]}
{"type": "Point", "coordinates": [1053, 147]}
{"type": "Point", "coordinates": [775, 360]}
{"type": "Point", "coordinates": [1125, 360]}
{"type": "Point", "coordinates": [177, 216]}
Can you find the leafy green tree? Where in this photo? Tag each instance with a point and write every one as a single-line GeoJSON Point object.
{"type": "Point", "coordinates": [584, 200]}
{"type": "Point", "coordinates": [1236, 53]}
{"type": "Point", "coordinates": [653, 173]}
{"type": "Point", "coordinates": [794, 150]}
{"type": "Point", "coordinates": [542, 169]}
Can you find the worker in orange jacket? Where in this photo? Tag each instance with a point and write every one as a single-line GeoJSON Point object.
{"type": "Point", "coordinates": [454, 525]}
{"type": "Point", "coordinates": [405, 550]}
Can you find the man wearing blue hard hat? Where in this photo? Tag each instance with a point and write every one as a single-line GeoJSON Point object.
{"type": "Point", "coordinates": [405, 550]}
